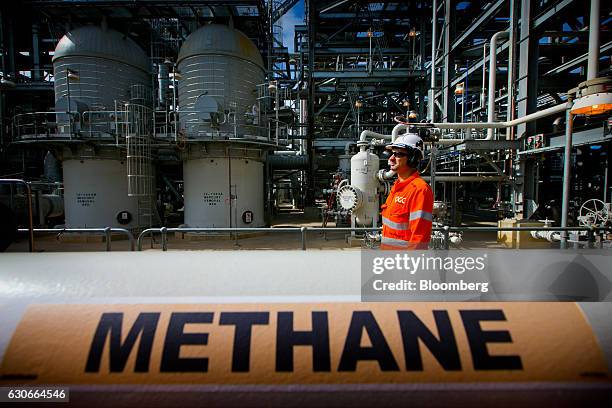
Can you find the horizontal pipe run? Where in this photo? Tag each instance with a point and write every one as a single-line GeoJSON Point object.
{"type": "Point", "coordinates": [304, 230]}
{"type": "Point", "coordinates": [99, 231]}
{"type": "Point", "coordinates": [486, 125]}
{"type": "Point", "coordinates": [368, 133]}
{"type": "Point", "coordinates": [465, 178]}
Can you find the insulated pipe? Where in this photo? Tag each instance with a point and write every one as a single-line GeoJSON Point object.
{"type": "Point", "coordinates": [465, 178]}
{"type": "Point", "coordinates": [364, 135]}
{"type": "Point", "coordinates": [35, 53]}
{"type": "Point", "coordinates": [347, 147]}
{"type": "Point", "coordinates": [483, 93]}
{"type": "Point", "coordinates": [511, 69]}
{"type": "Point", "coordinates": [567, 174]}
{"type": "Point", "coordinates": [493, 78]}
{"type": "Point", "coordinates": [593, 63]}
{"type": "Point", "coordinates": [432, 106]}
{"type": "Point", "coordinates": [287, 162]}
{"type": "Point", "coordinates": [484, 125]}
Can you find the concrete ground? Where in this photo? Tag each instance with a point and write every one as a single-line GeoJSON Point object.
{"type": "Point", "coordinates": [279, 240]}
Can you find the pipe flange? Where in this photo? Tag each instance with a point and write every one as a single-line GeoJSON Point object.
{"type": "Point", "coordinates": [349, 197]}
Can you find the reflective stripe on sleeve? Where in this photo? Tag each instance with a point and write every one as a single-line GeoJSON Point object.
{"type": "Point", "coordinates": [395, 225]}
{"type": "Point", "coordinates": [420, 214]}
{"type": "Point", "coordinates": [394, 242]}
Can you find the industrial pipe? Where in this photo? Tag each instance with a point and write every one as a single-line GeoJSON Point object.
{"type": "Point", "coordinates": [567, 172]}
{"type": "Point", "coordinates": [493, 78]}
{"type": "Point", "coordinates": [593, 62]}
{"type": "Point", "coordinates": [288, 162]}
{"type": "Point", "coordinates": [562, 107]}
{"type": "Point", "coordinates": [432, 106]}
{"type": "Point", "coordinates": [483, 92]}
{"type": "Point", "coordinates": [465, 178]}
{"type": "Point", "coordinates": [363, 136]}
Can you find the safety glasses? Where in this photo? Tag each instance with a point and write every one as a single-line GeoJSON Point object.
{"type": "Point", "coordinates": [399, 154]}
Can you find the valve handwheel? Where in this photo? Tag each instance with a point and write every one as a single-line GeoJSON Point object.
{"type": "Point", "coordinates": [593, 213]}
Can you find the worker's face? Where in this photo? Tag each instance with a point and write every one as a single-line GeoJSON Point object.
{"type": "Point", "coordinates": [398, 159]}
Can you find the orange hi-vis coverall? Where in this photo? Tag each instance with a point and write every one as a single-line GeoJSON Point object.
{"type": "Point", "coordinates": [406, 215]}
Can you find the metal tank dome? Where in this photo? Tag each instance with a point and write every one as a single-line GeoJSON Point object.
{"type": "Point", "coordinates": [101, 42]}
{"type": "Point", "coordinates": [217, 39]}
{"type": "Point", "coordinates": [221, 69]}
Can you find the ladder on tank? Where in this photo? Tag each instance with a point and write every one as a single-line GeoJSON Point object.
{"type": "Point", "coordinates": [140, 175]}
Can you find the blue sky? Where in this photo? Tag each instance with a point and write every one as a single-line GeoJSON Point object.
{"type": "Point", "coordinates": [293, 17]}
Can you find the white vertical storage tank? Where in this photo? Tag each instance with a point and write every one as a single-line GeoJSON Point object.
{"type": "Point", "coordinates": [364, 166]}
{"type": "Point", "coordinates": [96, 69]}
{"type": "Point", "coordinates": [361, 196]}
{"type": "Point", "coordinates": [207, 193]}
{"type": "Point", "coordinates": [95, 194]}
{"type": "Point", "coordinates": [223, 166]}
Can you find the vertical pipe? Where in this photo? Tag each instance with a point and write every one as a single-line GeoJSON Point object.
{"type": "Point", "coordinates": [567, 174]}
{"type": "Point", "coordinates": [492, 79]}
{"type": "Point", "coordinates": [432, 171]}
{"type": "Point", "coordinates": [483, 93]}
{"type": "Point", "coordinates": [303, 235]}
{"type": "Point", "coordinates": [446, 74]}
{"type": "Point", "coordinates": [107, 235]}
{"type": "Point", "coordinates": [511, 69]}
{"type": "Point", "coordinates": [593, 64]}
{"type": "Point", "coordinates": [174, 110]}
{"type": "Point", "coordinates": [11, 48]}
{"type": "Point", "coordinates": [164, 238]}
{"type": "Point", "coordinates": [311, 101]}
{"type": "Point", "coordinates": [605, 189]}
{"type": "Point", "coordinates": [35, 53]}
{"type": "Point", "coordinates": [276, 107]}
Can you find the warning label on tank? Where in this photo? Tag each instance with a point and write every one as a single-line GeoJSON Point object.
{"type": "Point", "coordinates": [86, 199]}
{"type": "Point", "coordinates": [306, 343]}
{"type": "Point", "coordinates": [212, 198]}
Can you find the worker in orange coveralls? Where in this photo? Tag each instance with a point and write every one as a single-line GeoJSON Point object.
{"type": "Point", "coordinates": [406, 215]}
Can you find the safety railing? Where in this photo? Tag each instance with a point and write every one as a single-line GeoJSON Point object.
{"type": "Point", "coordinates": [446, 230]}
{"type": "Point", "coordinates": [101, 124]}
{"type": "Point", "coordinates": [107, 232]}
{"type": "Point", "coordinates": [42, 125]}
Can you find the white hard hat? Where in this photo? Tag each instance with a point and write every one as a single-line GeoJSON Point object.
{"type": "Point", "coordinates": [408, 141]}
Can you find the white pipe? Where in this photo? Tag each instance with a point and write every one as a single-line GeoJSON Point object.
{"type": "Point", "coordinates": [493, 78]}
{"type": "Point", "coordinates": [465, 178]}
{"type": "Point", "coordinates": [432, 90]}
{"type": "Point", "coordinates": [483, 93]}
{"type": "Point", "coordinates": [363, 136]}
{"type": "Point", "coordinates": [347, 147]}
{"type": "Point", "coordinates": [593, 63]}
{"type": "Point", "coordinates": [562, 107]}
{"type": "Point", "coordinates": [384, 175]}
{"type": "Point", "coordinates": [397, 128]}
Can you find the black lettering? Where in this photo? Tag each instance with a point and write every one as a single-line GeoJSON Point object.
{"type": "Point", "coordinates": [353, 352]}
{"type": "Point", "coordinates": [244, 322]}
{"type": "Point", "coordinates": [443, 349]}
{"type": "Point", "coordinates": [287, 338]}
{"type": "Point", "coordinates": [479, 338]}
{"type": "Point", "coordinates": [110, 326]}
{"type": "Point", "coordinates": [176, 337]}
